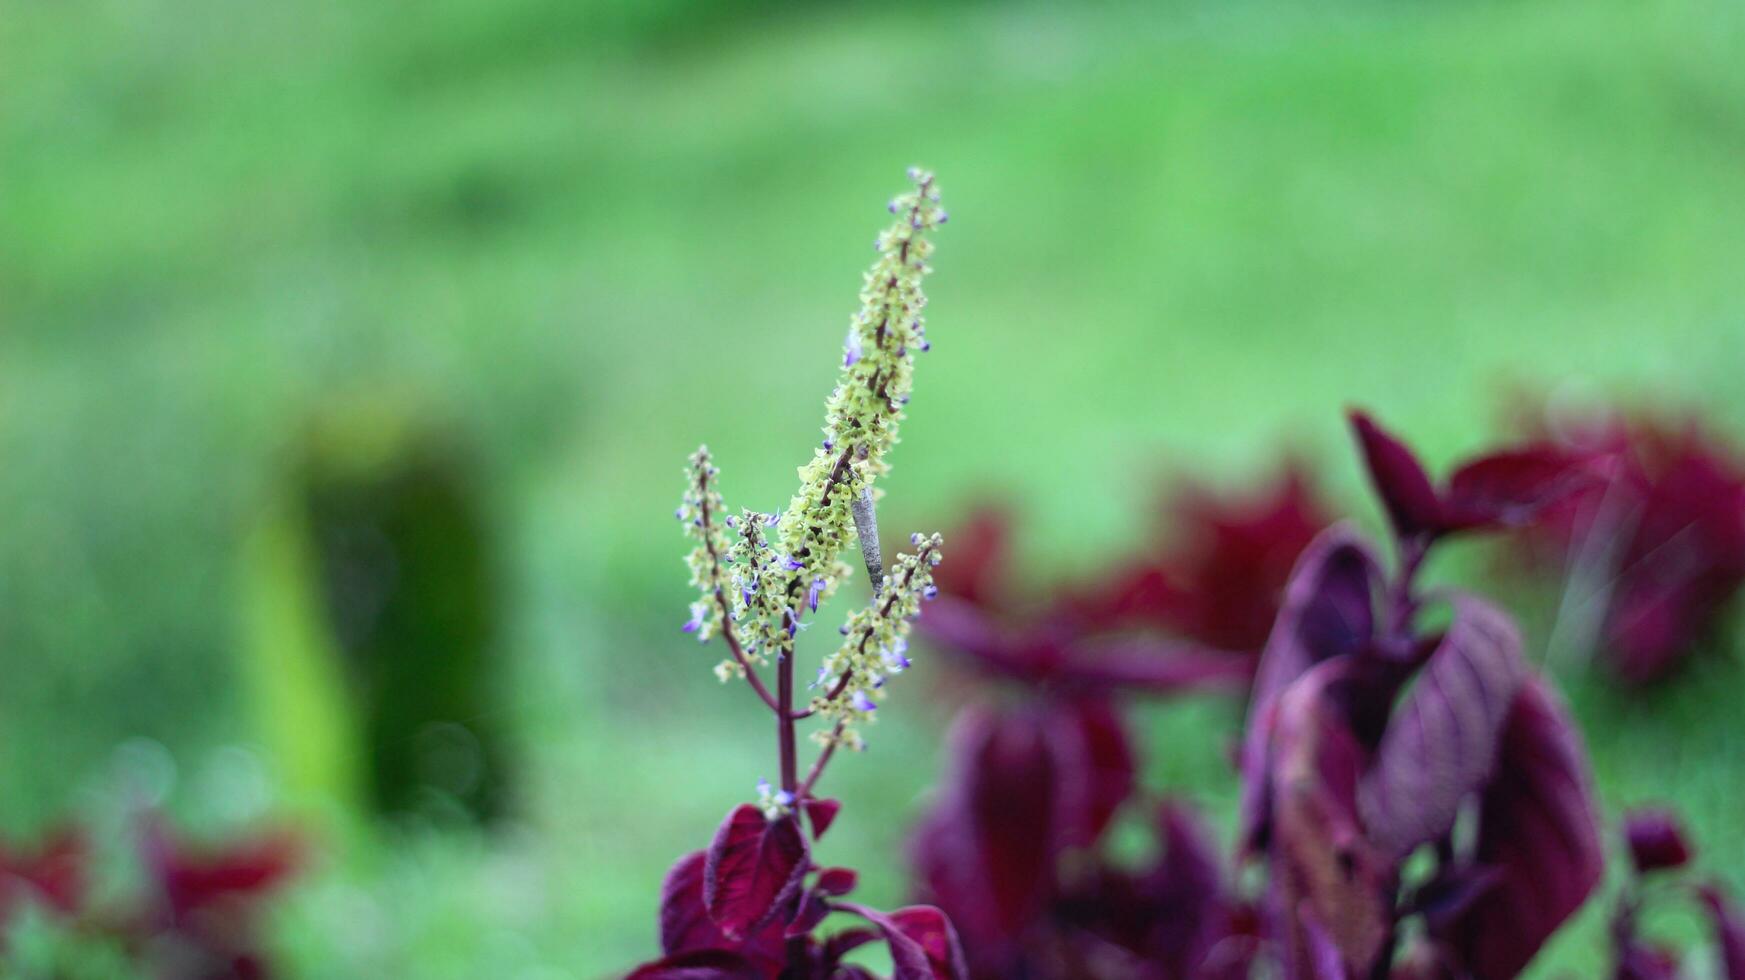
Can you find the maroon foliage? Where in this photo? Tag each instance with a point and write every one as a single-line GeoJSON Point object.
{"type": "Point", "coordinates": [1188, 612]}
{"type": "Point", "coordinates": [1013, 851]}
{"type": "Point", "coordinates": [1664, 536]}
{"type": "Point", "coordinates": [1217, 572]}
{"type": "Point", "coordinates": [742, 910]}
{"type": "Point", "coordinates": [1729, 932]}
{"type": "Point", "coordinates": [1505, 489]}
{"type": "Point", "coordinates": [1538, 829]}
{"type": "Point", "coordinates": [1656, 840]}
{"type": "Point", "coordinates": [1367, 739]}
{"type": "Point", "coordinates": [54, 872]}
{"type": "Point", "coordinates": [754, 866]}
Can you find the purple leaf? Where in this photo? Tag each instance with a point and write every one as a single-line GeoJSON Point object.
{"type": "Point", "coordinates": [1327, 612]}
{"type": "Point", "coordinates": [1656, 840]}
{"type": "Point", "coordinates": [1538, 829]}
{"type": "Point", "coordinates": [1405, 489]}
{"type": "Point", "coordinates": [1729, 932]}
{"type": "Point", "coordinates": [1322, 861]}
{"type": "Point", "coordinates": [821, 814]}
{"type": "Point", "coordinates": [754, 867]}
{"type": "Point", "coordinates": [708, 964]}
{"type": "Point", "coordinates": [1441, 744]}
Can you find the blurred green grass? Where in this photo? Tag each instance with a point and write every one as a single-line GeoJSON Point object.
{"type": "Point", "coordinates": [590, 236]}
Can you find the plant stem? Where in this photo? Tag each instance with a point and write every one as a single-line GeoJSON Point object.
{"type": "Point", "coordinates": [785, 715]}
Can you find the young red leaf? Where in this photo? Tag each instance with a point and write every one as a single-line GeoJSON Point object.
{"type": "Point", "coordinates": [1538, 829]}
{"type": "Point", "coordinates": [1729, 932]}
{"type": "Point", "coordinates": [837, 881]}
{"type": "Point", "coordinates": [1405, 489]}
{"type": "Point", "coordinates": [924, 946]}
{"type": "Point", "coordinates": [754, 867]}
{"type": "Point", "coordinates": [932, 930]}
{"type": "Point", "coordinates": [1327, 612]}
{"type": "Point", "coordinates": [821, 814]}
{"type": "Point", "coordinates": [1441, 744]}
{"type": "Point", "coordinates": [709, 964]}
{"type": "Point", "coordinates": [1656, 840]}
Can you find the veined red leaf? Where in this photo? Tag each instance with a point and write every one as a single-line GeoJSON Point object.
{"type": "Point", "coordinates": [754, 866]}
{"type": "Point", "coordinates": [1441, 744]}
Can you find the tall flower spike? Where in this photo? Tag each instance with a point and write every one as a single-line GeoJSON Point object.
{"type": "Point", "coordinates": [865, 408]}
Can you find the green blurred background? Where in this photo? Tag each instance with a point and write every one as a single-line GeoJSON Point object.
{"type": "Point", "coordinates": [570, 240]}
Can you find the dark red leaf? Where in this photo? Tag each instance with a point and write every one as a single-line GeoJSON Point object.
{"type": "Point", "coordinates": [1327, 612]}
{"type": "Point", "coordinates": [754, 866]}
{"type": "Point", "coordinates": [1014, 810]}
{"type": "Point", "coordinates": [1097, 767]}
{"type": "Point", "coordinates": [709, 964]}
{"type": "Point", "coordinates": [1656, 840]}
{"type": "Point", "coordinates": [1405, 489]}
{"type": "Point", "coordinates": [924, 946]}
{"type": "Point", "coordinates": [979, 557]}
{"type": "Point", "coordinates": [813, 908]}
{"type": "Point", "coordinates": [1330, 876]}
{"type": "Point", "coordinates": [1187, 887]}
{"type": "Point", "coordinates": [1729, 932]}
{"type": "Point", "coordinates": [685, 926]}
{"type": "Point", "coordinates": [1441, 745]}
{"type": "Point", "coordinates": [1232, 558]}
{"type": "Point", "coordinates": [1538, 828]}
{"type": "Point", "coordinates": [54, 872]}
{"type": "Point", "coordinates": [821, 814]}
{"type": "Point", "coordinates": [192, 878]}
{"type": "Point", "coordinates": [1512, 488]}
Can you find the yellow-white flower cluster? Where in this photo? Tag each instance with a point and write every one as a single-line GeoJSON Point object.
{"type": "Point", "coordinates": [875, 645]}
{"type": "Point", "coordinates": [760, 576]}
{"type": "Point", "coordinates": [878, 366]}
